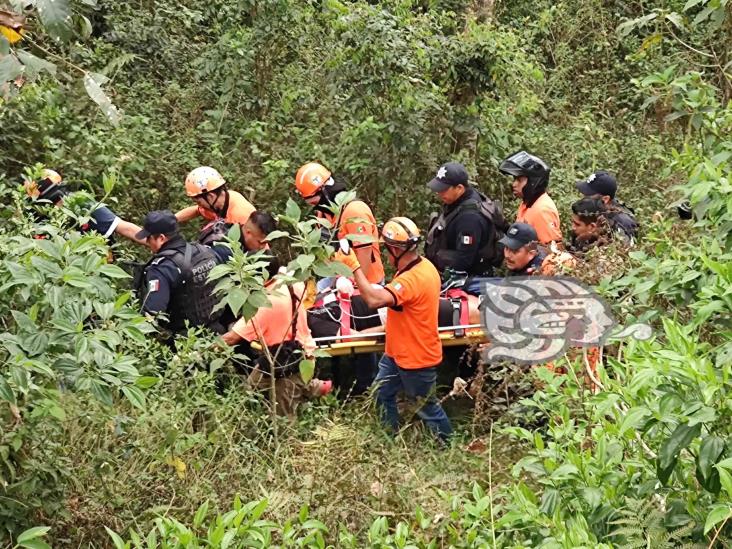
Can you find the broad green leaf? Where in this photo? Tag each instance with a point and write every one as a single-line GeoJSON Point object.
{"type": "Point", "coordinates": [116, 539]}
{"type": "Point", "coordinates": [549, 501]}
{"type": "Point", "coordinates": [113, 271]}
{"type": "Point", "coordinates": [707, 475]}
{"type": "Point", "coordinates": [292, 210]}
{"type": "Point", "coordinates": [35, 544]}
{"type": "Point", "coordinates": [274, 235]}
{"type": "Point", "coordinates": [200, 515]}
{"type": "Point", "coordinates": [10, 68]}
{"type": "Point", "coordinates": [56, 17]}
{"type": "Point", "coordinates": [6, 392]}
{"type": "Point", "coordinates": [307, 369]}
{"type": "Point", "coordinates": [96, 93]}
{"type": "Point", "coordinates": [633, 418]}
{"type": "Point", "coordinates": [236, 299]}
{"type": "Point", "coordinates": [668, 455]}
{"type": "Point", "coordinates": [33, 533]}
{"type": "Point", "coordinates": [34, 65]}
{"type": "Point", "coordinates": [135, 396]}
{"type": "Point", "coordinates": [718, 514]}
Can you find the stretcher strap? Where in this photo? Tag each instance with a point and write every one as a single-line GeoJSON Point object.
{"type": "Point", "coordinates": [345, 316]}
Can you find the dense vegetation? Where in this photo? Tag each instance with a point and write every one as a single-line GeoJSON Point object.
{"type": "Point", "coordinates": [104, 430]}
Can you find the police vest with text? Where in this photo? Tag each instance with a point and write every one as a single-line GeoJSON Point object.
{"type": "Point", "coordinates": [193, 298]}
{"type": "Point", "coordinates": [490, 254]}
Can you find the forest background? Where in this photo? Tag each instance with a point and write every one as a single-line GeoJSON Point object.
{"type": "Point", "coordinates": [99, 447]}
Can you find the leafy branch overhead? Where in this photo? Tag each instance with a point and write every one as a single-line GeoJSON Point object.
{"type": "Point", "coordinates": [24, 58]}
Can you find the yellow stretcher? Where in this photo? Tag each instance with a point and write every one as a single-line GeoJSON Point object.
{"type": "Point", "coordinates": [374, 343]}
{"type": "Point", "coordinates": [357, 344]}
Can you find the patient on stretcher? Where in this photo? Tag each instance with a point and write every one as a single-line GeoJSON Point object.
{"type": "Point", "coordinates": [346, 315]}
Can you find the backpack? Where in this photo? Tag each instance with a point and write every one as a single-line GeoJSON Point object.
{"type": "Point", "coordinates": [490, 254]}
{"type": "Point", "coordinates": [193, 299]}
{"type": "Point", "coordinates": [214, 231]}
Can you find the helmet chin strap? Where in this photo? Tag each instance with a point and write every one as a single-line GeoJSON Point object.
{"type": "Point", "coordinates": [212, 204]}
{"type": "Point", "coordinates": [397, 258]}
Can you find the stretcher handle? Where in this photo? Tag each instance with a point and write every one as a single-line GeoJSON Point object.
{"type": "Point", "coordinates": [374, 335]}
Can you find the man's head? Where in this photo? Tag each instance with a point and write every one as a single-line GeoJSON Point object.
{"type": "Point", "coordinates": [400, 236]}
{"type": "Point", "coordinates": [254, 232]}
{"type": "Point", "coordinates": [586, 217]}
{"type": "Point", "coordinates": [520, 246]}
{"type": "Point", "coordinates": [450, 182]}
{"type": "Point", "coordinates": [207, 187]}
{"type": "Point", "coordinates": [530, 175]}
{"type": "Point", "coordinates": [311, 180]}
{"type": "Point", "coordinates": [601, 185]}
{"type": "Point", "coordinates": [159, 227]}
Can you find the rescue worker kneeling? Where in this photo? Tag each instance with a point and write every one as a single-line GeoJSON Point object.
{"type": "Point", "coordinates": [413, 348]}
{"type": "Point", "coordinates": [283, 329]}
{"type": "Point", "coordinates": [176, 278]}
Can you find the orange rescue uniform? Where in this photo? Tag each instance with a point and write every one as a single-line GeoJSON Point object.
{"type": "Point", "coordinates": [275, 323]}
{"type": "Point", "coordinates": [544, 217]}
{"type": "Point", "coordinates": [238, 210]}
{"type": "Point", "coordinates": [357, 219]}
{"type": "Point", "coordinates": [412, 339]}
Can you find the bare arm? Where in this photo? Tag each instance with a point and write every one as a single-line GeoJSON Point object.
{"type": "Point", "coordinates": [231, 338]}
{"type": "Point", "coordinates": [364, 255]}
{"type": "Point", "coordinates": [186, 214]}
{"type": "Point", "coordinates": [375, 298]}
{"type": "Point", "coordinates": [129, 231]}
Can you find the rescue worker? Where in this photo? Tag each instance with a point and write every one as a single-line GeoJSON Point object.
{"type": "Point", "coordinates": [530, 180]}
{"type": "Point", "coordinates": [459, 238]}
{"type": "Point", "coordinates": [283, 324]}
{"type": "Point", "coordinates": [50, 188]}
{"type": "Point", "coordinates": [207, 188]}
{"type": "Point", "coordinates": [603, 186]}
{"type": "Point", "coordinates": [319, 187]}
{"type": "Point", "coordinates": [413, 348]}
{"type": "Point", "coordinates": [176, 278]}
{"type": "Point", "coordinates": [522, 254]}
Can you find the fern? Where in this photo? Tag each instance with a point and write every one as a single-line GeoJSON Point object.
{"type": "Point", "coordinates": [641, 526]}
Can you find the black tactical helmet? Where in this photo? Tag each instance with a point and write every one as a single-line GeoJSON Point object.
{"type": "Point", "coordinates": [534, 168]}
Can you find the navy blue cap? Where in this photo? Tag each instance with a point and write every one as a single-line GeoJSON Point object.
{"type": "Point", "coordinates": [158, 222]}
{"type": "Point", "coordinates": [519, 235]}
{"type": "Point", "coordinates": [602, 183]}
{"type": "Point", "coordinates": [449, 175]}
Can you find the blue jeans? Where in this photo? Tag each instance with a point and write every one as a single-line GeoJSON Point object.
{"type": "Point", "coordinates": [416, 384]}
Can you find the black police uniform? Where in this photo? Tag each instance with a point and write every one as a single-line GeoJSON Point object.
{"type": "Point", "coordinates": [532, 267]}
{"type": "Point", "coordinates": [622, 220]}
{"type": "Point", "coordinates": [162, 276]}
{"type": "Point", "coordinates": [464, 236]}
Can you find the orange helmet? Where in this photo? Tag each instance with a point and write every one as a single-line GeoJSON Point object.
{"type": "Point", "coordinates": [311, 178]}
{"type": "Point", "coordinates": [400, 232]}
{"type": "Point", "coordinates": [37, 190]}
{"type": "Point", "coordinates": [203, 180]}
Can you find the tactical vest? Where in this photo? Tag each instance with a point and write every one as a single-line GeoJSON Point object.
{"type": "Point", "coordinates": [490, 254]}
{"type": "Point", "coordinates": [213, 232]}
{"type": "Point", "coordinates": [193, 298]}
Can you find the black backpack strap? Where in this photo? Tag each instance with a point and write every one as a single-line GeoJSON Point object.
{"type": "Point", "coordinates": [186, 270]}
{"type": "Point", "coordinates": [293, 300]}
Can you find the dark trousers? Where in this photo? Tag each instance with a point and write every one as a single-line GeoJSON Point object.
{"type": "Point", "coordinates": [418, 386]}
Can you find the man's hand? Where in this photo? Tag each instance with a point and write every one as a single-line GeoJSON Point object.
{"type": "Point", "coordinates": [349, 260]}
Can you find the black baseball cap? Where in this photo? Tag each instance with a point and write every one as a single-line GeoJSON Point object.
{"type": "Point", "coordinates": [158, 222]}
{"type": "Point", "coordinates": [602, 183]}
{"type": "Point", "coordinates": [449, 175]}
{"type": "Point", "coordinates": [519, 235]}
